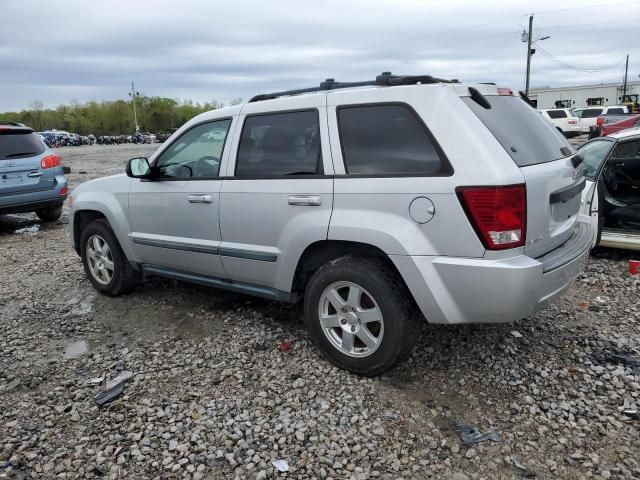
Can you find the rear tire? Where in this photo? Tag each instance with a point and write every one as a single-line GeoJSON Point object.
{"type": "Point", "coordinates": [104, 262]}
{"type": "Point", "coordinates": [375, 346]}
{"type": "Point", "coordinates": [49, 214]}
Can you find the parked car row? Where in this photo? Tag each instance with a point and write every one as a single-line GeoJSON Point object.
{"type": "Point", "coordinates": [577, 121]}
{"type": "Point", "coordinates": [59, 138]}
{"type": "Point", "coordinates": [143, 137]}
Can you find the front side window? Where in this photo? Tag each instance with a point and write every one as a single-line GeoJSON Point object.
{"type": "Point", "coordinates": [557, 113]}
{"type": "Point", "coordinates": [196, 153]}
{"type": "Point", "coordinates": [387, 139]}
{"type": "Point", "coordinates": [280, 144]}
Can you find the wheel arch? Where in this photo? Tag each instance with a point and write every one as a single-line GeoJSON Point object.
{"type": "Point", "coordinates": [323, 251]}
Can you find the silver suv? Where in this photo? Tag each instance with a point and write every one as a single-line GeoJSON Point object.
{"type": "Point", "coordinates": [377, 203]}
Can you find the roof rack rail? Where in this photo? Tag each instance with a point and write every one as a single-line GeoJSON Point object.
{"type": "Point", "coordinates": [15, 124]}
{"type": "Point", "coordinates": [386, 79]}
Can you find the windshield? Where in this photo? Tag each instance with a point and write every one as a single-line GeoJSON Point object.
{"type": "Point", "coordinates": [593, 154]}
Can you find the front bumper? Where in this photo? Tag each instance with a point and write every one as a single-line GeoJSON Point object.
{"type": "Point", "coordinates": [477, 290]}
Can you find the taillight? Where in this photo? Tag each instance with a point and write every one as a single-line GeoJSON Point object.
{"type": "Point", "coordinates": [573, 122]}
{"type": "Point", "coordinates": [63, 191]}
{"type": "Point", "coordinates": [505, 91]}
{"type": "Point", "coordinates": [600, 121]}
{"type": "Point", "coordinates": [50, 161]}
{"type": "Point", "coordinates": [498, 214]}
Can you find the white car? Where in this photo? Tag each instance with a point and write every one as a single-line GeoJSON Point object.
{"type": "Point", "coordinates": [564, 120]}
{"type": "Point", "coordinates": [611, 197]}
{"type": "Point", "coordinates": [589, 115]}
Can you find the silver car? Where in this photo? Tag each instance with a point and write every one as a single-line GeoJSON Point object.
{"type": "Point", "coordinates": [380, 204]}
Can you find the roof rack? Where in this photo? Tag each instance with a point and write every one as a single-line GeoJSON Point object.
{"type": "Point", "coordinates": [15, 124]}
{"type": "Point", "coordinates": [386, 79]}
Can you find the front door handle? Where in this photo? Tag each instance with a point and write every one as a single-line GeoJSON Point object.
{"type": "Point", "coordinates": [304, 200]}
{"type": "Point", "coordinates": [200, 198]}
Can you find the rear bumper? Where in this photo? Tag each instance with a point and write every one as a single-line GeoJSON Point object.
{"type": "Point", "coordinates": [29, 202]}
{"type": "Point", "coordinates": [468, 290]}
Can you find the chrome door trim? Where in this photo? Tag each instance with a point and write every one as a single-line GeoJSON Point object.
{"type": "Point", "coordinates": [211, 250]}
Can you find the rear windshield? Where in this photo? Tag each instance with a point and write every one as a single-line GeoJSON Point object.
{"type": "Point", "coordinates": [20, 144]}
{"type": "Point", "coordinates": [557, 113]}
{"type": "Point", "coordinates": [521, 131]}
{"type": "Point", "coordinates": [591, 113]}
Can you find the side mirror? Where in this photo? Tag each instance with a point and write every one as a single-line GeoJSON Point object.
{"type": "Point", "coordinates": [138, 167]}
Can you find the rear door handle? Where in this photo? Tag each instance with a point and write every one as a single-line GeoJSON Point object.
{"type": "Point", "coordinates": [200, 198]}
{"type": "Point", "coordinates": [34, 174]}
{"type": "Point", "coordinates": [304, 200]}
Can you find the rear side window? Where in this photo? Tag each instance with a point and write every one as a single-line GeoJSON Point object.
{"type": "Point", "coordinates": [591, 112]}
{"type": "Point", "coordinates": [615, 111]}
{"type": "Point", "coordinates": [20, 144]}
{"type": "Point", "coordinates": [524, 134]}
{"type": "Point", "coordinates": [280, 144]}
{"type": "Point", "coordinates": [557, 113]}
{"type": "Point", "coordinates": [388, 139]}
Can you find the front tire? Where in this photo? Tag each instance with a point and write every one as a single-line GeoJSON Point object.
{"type": "Point", "coordinates": [360, 315]}
{"type": "Point", "coordinates": [49, 214]}
{"type": "Point", "coordinates": [104, 262]}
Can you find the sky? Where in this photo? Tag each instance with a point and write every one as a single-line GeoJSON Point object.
{"type": "Point", "coordinates": [64, 51]}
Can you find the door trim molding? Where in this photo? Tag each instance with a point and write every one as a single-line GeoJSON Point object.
{"type": "Point", "coordinates": [211, 250]}
{"type": "Point", "coordinates": [248, 254]}
{"type": "Point", "coordinates": [187, 247]}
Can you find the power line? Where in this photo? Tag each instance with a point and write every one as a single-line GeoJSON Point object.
{"type": "Point", "coordinates": [586, 7]}
{"type": "Point", "coordinates": [573, 67]}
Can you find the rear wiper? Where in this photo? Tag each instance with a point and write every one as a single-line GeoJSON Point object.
{"type": "Point", "coordinates": [20, 154]}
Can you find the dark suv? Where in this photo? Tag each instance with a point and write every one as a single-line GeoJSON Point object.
{"type": "Point", "coordinates": [31, 175]}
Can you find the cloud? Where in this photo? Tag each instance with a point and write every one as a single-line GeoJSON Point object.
{"type": "Point", "coordinates": [221, 50]}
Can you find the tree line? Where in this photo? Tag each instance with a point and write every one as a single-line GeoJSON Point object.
{"type": "Point", "coordinates": [155, 114]}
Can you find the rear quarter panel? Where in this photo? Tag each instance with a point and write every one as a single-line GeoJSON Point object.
{"type": "Point", "coordinates": [376, 210]}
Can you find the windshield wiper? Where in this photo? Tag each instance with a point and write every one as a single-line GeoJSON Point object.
{"type": "Point", "coordinates": [11, 155]}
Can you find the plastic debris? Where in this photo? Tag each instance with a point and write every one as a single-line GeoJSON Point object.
{"type": "Point", "coordinates": [281, 465]}
{"type": "Point", "coordinates": [470, 435]}
{"type": "Point", "coordinates": [516, 334]}
{"type": "Point", "coordinates": [285, 347]}
{"type": "Point", "coordinates": [629, 410]}
{"type": "Point", "coordinates": [634, 267]}
{"type": "Point", "coordinates": [522, 470]}
{"type": "Point", "coordinates": [113, 388]}
{"type": "Point", "coordinates": [109, 394]}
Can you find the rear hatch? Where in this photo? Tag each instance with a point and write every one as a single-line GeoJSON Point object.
{"type": "Point", "coordinates": [21, 151]}
{"type": "Point", "coordinates": [544, 156]}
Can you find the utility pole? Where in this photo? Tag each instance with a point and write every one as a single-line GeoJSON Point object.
{"type": "Point", "coordinates": [133, 94]}
{"type": "Point", "coordinates": [526, 87]}
{"type": "Point", "coordinates": [626, 72]}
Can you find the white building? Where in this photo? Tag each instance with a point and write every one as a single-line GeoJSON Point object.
{"type": "Point", "coordinates": [581, 95]}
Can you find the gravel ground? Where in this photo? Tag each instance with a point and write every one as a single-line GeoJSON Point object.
{"type": "Point", "coordinates": [213, 397]}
